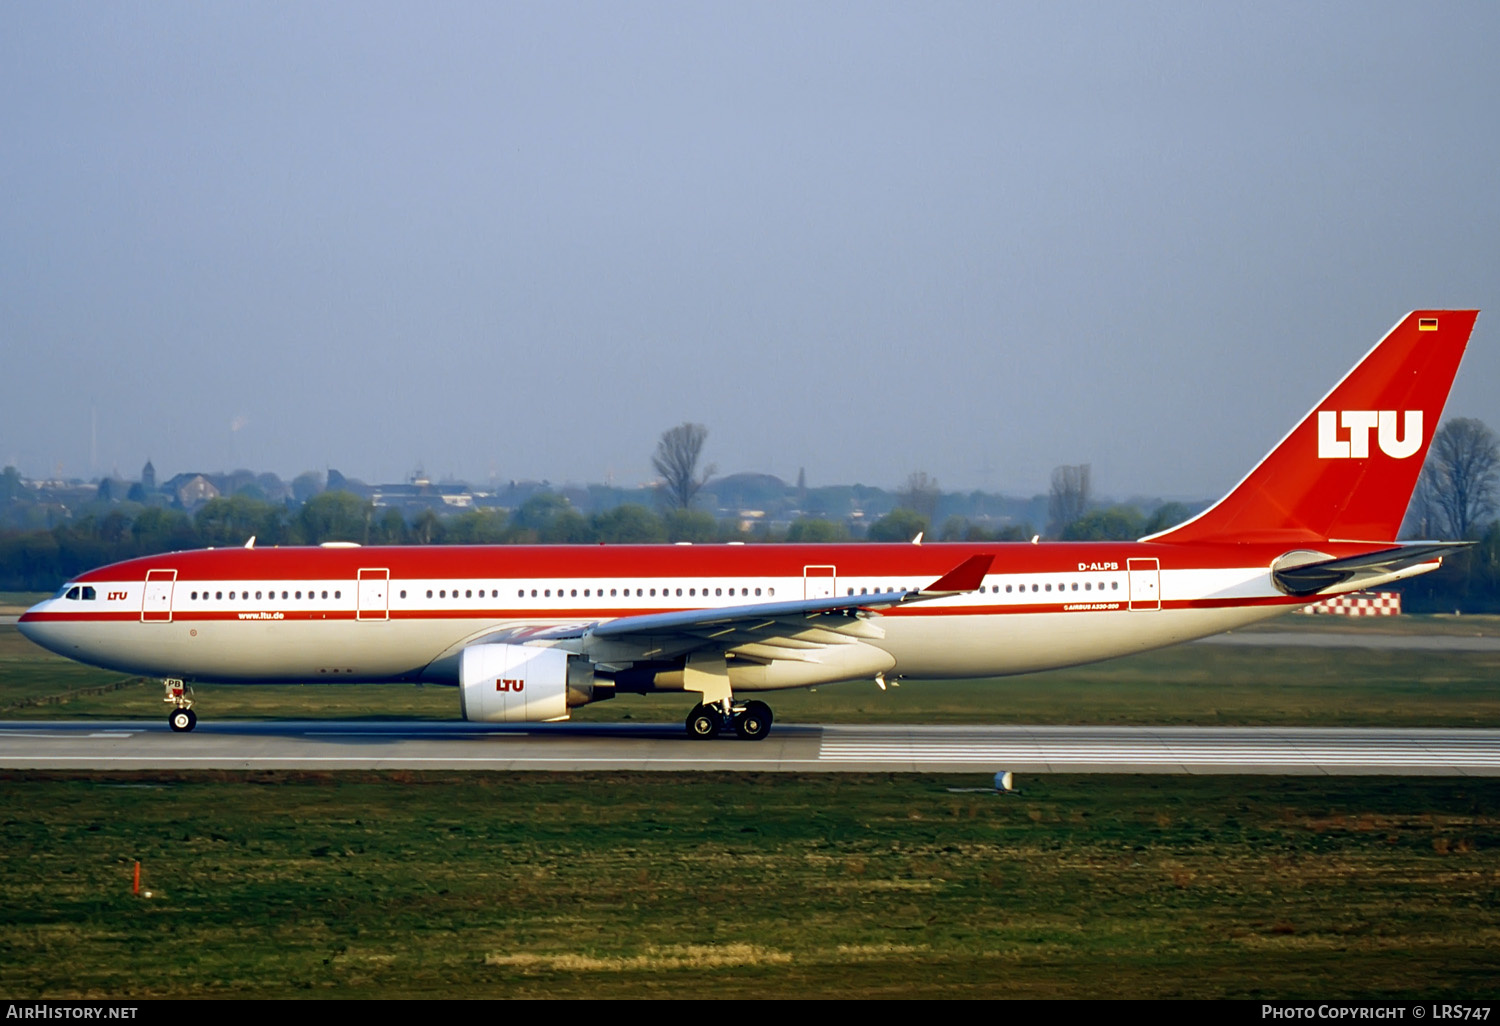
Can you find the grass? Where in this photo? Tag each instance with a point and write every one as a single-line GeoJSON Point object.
{"type": "Point", "coordinates": [636, 885]}
{"type": "Point", "coordinates": [618, 885]}
{"type": "Point", "coordinates": [1191, 684]}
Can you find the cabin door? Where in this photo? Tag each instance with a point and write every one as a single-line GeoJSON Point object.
{"type": "Point", "coordinates": [819, 581]}
{"type": "Point", "coordinates": [156, 603]}
{"type": "Point", "coordinates": [1145, 583]}
{"type": "Point", "coordinates": [374, 595]}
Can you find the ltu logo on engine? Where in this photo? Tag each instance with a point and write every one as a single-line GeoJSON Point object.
{"type": "Point", "coordinates": [1358, 424]}
{"type": "Point", "coordinates": [504, 684]}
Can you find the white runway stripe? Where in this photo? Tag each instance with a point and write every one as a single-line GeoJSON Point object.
{"type": "Point", "coordinates": [1223, 748]}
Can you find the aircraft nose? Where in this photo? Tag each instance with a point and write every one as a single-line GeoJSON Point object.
{"type": "Point", "coordinates": [33, 626]}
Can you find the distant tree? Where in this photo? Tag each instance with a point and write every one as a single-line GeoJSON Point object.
{"type": "Point", "coordinates": [389, 528]}
{"type": "Point", "coordinates": [334, 516]}
{"type": "Point", "coordinates": [690, 526]}
{"type": "Point", "coordinates": [898, 525]}
{"type": "Point", "coordinates": [1068, 499]}
{"type": "Point", "coordinates": [479, 527]}
{"type": "Point", "coordinates": [676, 460]}
{"type": "Point", "coordinates": [920, 494]}
{"type": "Point", "coordinates": [11, 485]}
{"type": "Point", "coordinates": [1119, 523]}
{"type": "Point", "coordinates": [629, 524]}
{"type": "Point", "coordinates": [1168, 514]}
{"type": "Point", "coordinates": [162, 530]}
{"type": "Point", "coordinates": [1456, 493]}
{"type": "Point", "coordinates": [234, 520]}
{"type": "Point", "coordinates": [272, 487]}
{"type": "Point", "coordinates": [549, 518]}
{"type": "Point", "coordinates": [816, 530]}
{"type": "Point", "coordinates": [306, 484]}
{"type": "Point", "coordinates": [428, 529]}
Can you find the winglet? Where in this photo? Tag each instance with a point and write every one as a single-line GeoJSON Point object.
{"type": "Point", "coordinates": [967, 576]}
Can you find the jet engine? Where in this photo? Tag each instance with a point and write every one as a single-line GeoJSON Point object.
{"type": "Point", "coordinates": [522, 684]}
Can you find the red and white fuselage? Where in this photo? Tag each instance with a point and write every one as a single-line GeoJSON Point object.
{"type": "Point", "coordinates": [404, 613]}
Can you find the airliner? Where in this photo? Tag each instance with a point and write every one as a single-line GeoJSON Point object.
{"type": "Point", "coordinates": [527, 633]}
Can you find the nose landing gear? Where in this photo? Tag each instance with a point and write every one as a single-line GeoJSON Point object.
{"type": "Point", "coordinates": [751, 721]}
{"type": "Point", "coordinates": [180, 697]}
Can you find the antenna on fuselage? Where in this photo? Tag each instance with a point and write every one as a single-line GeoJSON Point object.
{"type": "Point", "coordinates": [251, 543]}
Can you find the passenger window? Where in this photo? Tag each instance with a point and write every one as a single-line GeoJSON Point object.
{"type": "Point", "coordinates": [218, 594]}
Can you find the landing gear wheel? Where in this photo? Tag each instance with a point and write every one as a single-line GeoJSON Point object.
{"type": "Point", "coordinates": [754, 723]}
{"type": "Point", "coordinates": [704, 723]}
{"type": "Point", "coordinates": [183, 719]}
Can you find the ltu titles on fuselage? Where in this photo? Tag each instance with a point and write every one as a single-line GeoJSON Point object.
{"type": "Point", "coordinates": [526, 633]}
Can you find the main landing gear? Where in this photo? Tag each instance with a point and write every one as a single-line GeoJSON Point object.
{"type": "Point", "coordinates": [751, 720]}
{"type": "Point", "coordinates": [180, 698]}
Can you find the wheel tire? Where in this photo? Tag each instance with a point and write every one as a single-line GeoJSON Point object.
{"type": "Point", "coordinates": [182, 720]}
{"type": "Point", "coordinates": [704, 723]}
{"type": "Point", "coordinates": [754, 723]}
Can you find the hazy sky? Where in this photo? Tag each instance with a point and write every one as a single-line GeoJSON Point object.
{"type": "Point", "coordinates": [521, 240]}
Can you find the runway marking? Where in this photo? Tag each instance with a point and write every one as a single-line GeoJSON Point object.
{"type": "Point", "coordinates": [1058, 748]}
{"type": "Point", "coordinates": [421, 735]}
{"type": "Point", "coordinates": [100, 733]}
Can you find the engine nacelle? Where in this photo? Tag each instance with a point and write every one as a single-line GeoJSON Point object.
{"type": "Point", "coordinates": [522, 684]}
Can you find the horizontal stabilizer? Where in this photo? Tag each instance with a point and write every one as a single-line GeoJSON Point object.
{"type": "Point", "coordinates": [1308, 578]}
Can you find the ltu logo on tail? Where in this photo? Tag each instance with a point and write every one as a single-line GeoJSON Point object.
{"type": "Point", "coordinates": [1358, 424]}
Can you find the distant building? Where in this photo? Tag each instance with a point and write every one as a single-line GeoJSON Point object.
{"type": "Point", "coordinates": [148, 477]}
{"type": "Point", "coordinates": [191, 490]}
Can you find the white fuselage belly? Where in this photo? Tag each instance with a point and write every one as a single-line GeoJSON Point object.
{"type": "Point", "coordinates": [411, 638]}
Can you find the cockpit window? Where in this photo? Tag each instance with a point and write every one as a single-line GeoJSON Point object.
{"type": "Point", "coordinates": [72, 592]}
{"type": "Point", "coordinates": [89, 594]}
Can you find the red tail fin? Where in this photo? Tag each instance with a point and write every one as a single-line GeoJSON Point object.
{"type": "Point", "coordinates": [1347, 471]}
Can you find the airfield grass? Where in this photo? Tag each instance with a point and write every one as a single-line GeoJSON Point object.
{"type": "Point", "coordinates": [692, 885]}
{"type": "Point", "coordinates": [1223, 685]}
{"type": "Point", "coordinates": [285, 884]}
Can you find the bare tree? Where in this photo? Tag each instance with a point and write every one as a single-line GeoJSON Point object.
{"type": "Point", "coordinates": [920, 494]}
{"type": "Point", "coordinates": [1069, 498]}
{"type": "Point", "coordinates": [1456, 493]}
{"type": "Point", "coordinates": [676, 460]}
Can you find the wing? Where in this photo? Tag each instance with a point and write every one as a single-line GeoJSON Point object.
{"type": "Point", "coordinates": [827, 635]}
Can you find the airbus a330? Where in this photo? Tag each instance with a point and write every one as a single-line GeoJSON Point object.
{"type": "Point", "coordinates": [527, 633]}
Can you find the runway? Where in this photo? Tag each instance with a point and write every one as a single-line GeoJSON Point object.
{"type": "Point", "coordinates": [356, 745]}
